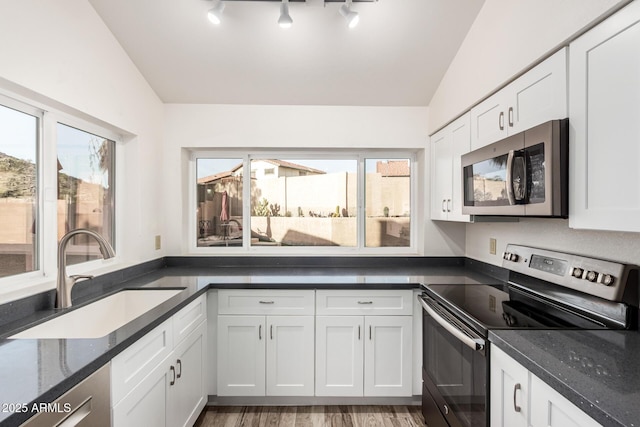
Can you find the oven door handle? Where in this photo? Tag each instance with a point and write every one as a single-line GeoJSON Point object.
{"type": "Point", "coordinates": [477, 344]}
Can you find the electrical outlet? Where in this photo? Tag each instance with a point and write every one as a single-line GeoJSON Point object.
{"type": "Point", "coordinates": [158, 242]}
{"type": "Point", "coordinates": [492, 246]}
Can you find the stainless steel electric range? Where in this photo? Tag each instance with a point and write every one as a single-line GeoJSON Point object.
{"type": "Point", "coordinates": [545, 290]}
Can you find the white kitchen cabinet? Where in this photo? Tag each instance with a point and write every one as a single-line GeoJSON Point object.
{"type": "Point", "coordinates": [509, 391]}
{"type": "Point", "coordinates": [241, 353]}
{"type": "Point", "coordinates": [519, 398]}
{"type": "Point", "coordinates": [447, 147]}
{"type": "Point", "coordinates": [388, 356]}
{"type": "Point", "coordinates": [159, 382]}
{"type": "Point", "coordinates": [270, 353]}
{"type": "Point", "coordinates": [364, 355]}
{"type": "Point", "coordinates": [537, 96]}
{"type": "Point", "coordinates": [339, 356]}
{"type": "Point", "coordinates": [290, 356]}
{"type": "Point", "coordinates": [604, 105]}
{"type": "Point", "coordinates": [188, 394]}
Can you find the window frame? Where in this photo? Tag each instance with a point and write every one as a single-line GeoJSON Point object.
{"type": "Point", "coordinates": [360, 155]}
{"type": "Point", "coordinates": [43, 278]}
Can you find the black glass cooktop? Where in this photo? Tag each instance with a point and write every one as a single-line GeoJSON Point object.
{"type": "Point", "coordinates": [487, 307]}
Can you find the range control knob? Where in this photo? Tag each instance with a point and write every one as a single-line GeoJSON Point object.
{"type": "Point", "coordinates": [514, 257]}
{"type": "Point", "coordinates": [607, 280]}
{"type": "Point", "coordinates": [577, 272]}
{"type": "Point", "coordinates": [592, 276]}
{"type": "Point", "coordinates": [506, 255]}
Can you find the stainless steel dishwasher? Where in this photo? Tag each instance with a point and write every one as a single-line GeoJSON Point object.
{"type": "Point", "coordinates": [87, 404]}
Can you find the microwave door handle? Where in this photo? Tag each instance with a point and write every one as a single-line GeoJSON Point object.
{"type": "Point", "coordinates": [510, 192]}
{"type": "Point", "coordinates": [477, 344]}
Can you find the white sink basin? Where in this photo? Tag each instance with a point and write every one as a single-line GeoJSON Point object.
{"type": "Point", "coordinates": [102, 317]}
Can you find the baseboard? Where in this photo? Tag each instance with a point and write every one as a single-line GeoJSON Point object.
{"type": "Point", "coordinates": [310, 401]}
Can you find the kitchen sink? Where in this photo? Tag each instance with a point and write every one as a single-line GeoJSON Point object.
{"type": "Point", "coordinates": [102, 317]}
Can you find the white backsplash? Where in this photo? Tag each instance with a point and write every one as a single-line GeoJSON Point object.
{"type": "Point", "coordinates": [553, 234]}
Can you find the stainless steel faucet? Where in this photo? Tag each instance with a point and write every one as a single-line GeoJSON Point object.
{"type": "Point", "coordinates": [65, 283]}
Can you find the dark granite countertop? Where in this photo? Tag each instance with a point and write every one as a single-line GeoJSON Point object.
{"type": "Point", "coordinates": [35, 371]}
{"type": "Point", "coordinates": [598, 371]}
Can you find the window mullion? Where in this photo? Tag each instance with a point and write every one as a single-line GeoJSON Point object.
{"type": "Point", "coordinates": [246, 205]}
{"type": "Point", "coordinates": [49, 195]}
{"type": "Point", "coordinates": [361, 191]}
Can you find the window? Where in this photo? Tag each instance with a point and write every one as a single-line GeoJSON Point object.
{"type": "Point", "coordinates": [388, 202]}
{"type": "Point", "coordinates": [353, 201]}
{"type": "Point", "coordinates": [57, 174]}
{"type": "Point", "coordinates": [18, 191]}
{"type": "Point", "coordinates": [85, 190]}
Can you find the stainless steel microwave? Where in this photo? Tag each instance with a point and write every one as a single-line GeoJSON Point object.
{"type": "Point", "coordinates": [525, 174]}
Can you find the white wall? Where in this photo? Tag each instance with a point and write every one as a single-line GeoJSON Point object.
{"type": "Point", "coordinates": [60, 53]}
{"type": "Point", "coordinates": [244, 126]}
{"type": "Point", "coordinates": [505, 39]}
{"type": "Point", "coordinates": [552, 234]}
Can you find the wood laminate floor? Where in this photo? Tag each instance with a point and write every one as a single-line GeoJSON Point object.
{"type": "Point", "coordinates": [311, 416]}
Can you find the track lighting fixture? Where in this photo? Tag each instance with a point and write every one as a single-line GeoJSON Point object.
{"type": "Point", "coordinates": [215, 13]}
{"type": "Point", "coordinates": [285, 20]}
{"type": "Point", "coordinates": [352, 17]}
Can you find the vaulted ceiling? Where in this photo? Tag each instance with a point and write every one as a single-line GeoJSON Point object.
{"type": "Point", "coordinates": [396, 56]}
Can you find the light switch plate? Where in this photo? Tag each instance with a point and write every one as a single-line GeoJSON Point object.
{"type": "Point", "coordinates": [492, 246]}
{"type": "Point", "coordinates": [158, 243]}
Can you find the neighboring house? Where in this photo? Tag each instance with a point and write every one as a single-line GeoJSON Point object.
{"type": "Point", "coordinates": [271, 168]}
{"type": "Point", "coordinates": [391, 168]}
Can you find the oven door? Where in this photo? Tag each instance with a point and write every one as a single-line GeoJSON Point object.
{"type": "Point", "coordinates": [454, 370]}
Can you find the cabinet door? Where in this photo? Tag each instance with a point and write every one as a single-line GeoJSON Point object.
{"type": "Point", "coordinates": [188, 395]}
{"type": "Point", "coordinates": [339, 355]}
{"type": "Point", "coordinates": [290, 355]}
{"type": "Point", "coordinates": [539, 95]}
{"type": "Point", "coordinates": [460, 144]}
{"type": "Point", "coordinates": [441, 172]}
{"type": "Point", "coordinates": [550, 409]}
{"type": "Point", "coordinates": [509, 391]}
{"type": "Point", "coordinates": [387, 356]}
{"type": "Point", "coordinates": [489, 121]}
{"type": "Point", "coordinates": [241, 353]}
{"type": "Point", "coordinates": [605, 127]}
{"type": "Point", "coordinates": [146, 404]}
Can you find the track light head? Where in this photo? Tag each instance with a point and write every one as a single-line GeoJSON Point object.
{"type": "Point", "coordinates": [285, 20]}
{"type": "Point", "coordinates": [352, 17]}
{"type": "Point", "coordinates": [215, 13]}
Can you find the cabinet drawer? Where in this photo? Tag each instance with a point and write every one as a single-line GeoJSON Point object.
{"type": "Point", "coordinates": [188, 319]}
{"type": "Point", "coordinates": [362, 302]}
{"type": "Point", "coordinates": [267, 301]}
{"type": "Point", "coordinates": [137, 361]}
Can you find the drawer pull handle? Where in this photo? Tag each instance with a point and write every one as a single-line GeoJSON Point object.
{"type": "Point", "coordinates": [365, 302]}
{"type": "Point", "coordinates": [179, 363]}
{"type": "Point", "coordinates": [271, 332]}
{"type": "Point", "coordinates": [370, 333]}
{"type": "Point", "coordinates": [259, 332]}
{"type": "Point", "coordinates": [173, 371]}
{"type": "Point", "coordinates": [266, 302]}
{"type": "Point", "coordinates": [515, 389]}
{"type": "Point", "coordinates": [358, 332]}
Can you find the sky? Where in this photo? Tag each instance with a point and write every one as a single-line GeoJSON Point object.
{"type": "Point", "coordinates": [18, 138]}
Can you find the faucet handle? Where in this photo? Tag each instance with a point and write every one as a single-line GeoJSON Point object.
{"type": "Point", "coordinates": [77, 277]}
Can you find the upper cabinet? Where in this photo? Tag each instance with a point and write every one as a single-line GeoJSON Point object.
{"type": "Point", "coordinates": [535, 97]}
{"type": "Point", "coordinates": [447, 146]}
{"type": "Point", "coordinates": [605, 125]}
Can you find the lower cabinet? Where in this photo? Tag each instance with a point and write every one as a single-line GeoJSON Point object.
{"type": "Point", "coordinates": [519, 398]}
{"type": "Point", "coordinates": [363, 356]}
{"type": "Point", "coordinates": [265, 355]}
{"type": "Point", "coordinates": [169, 392]}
